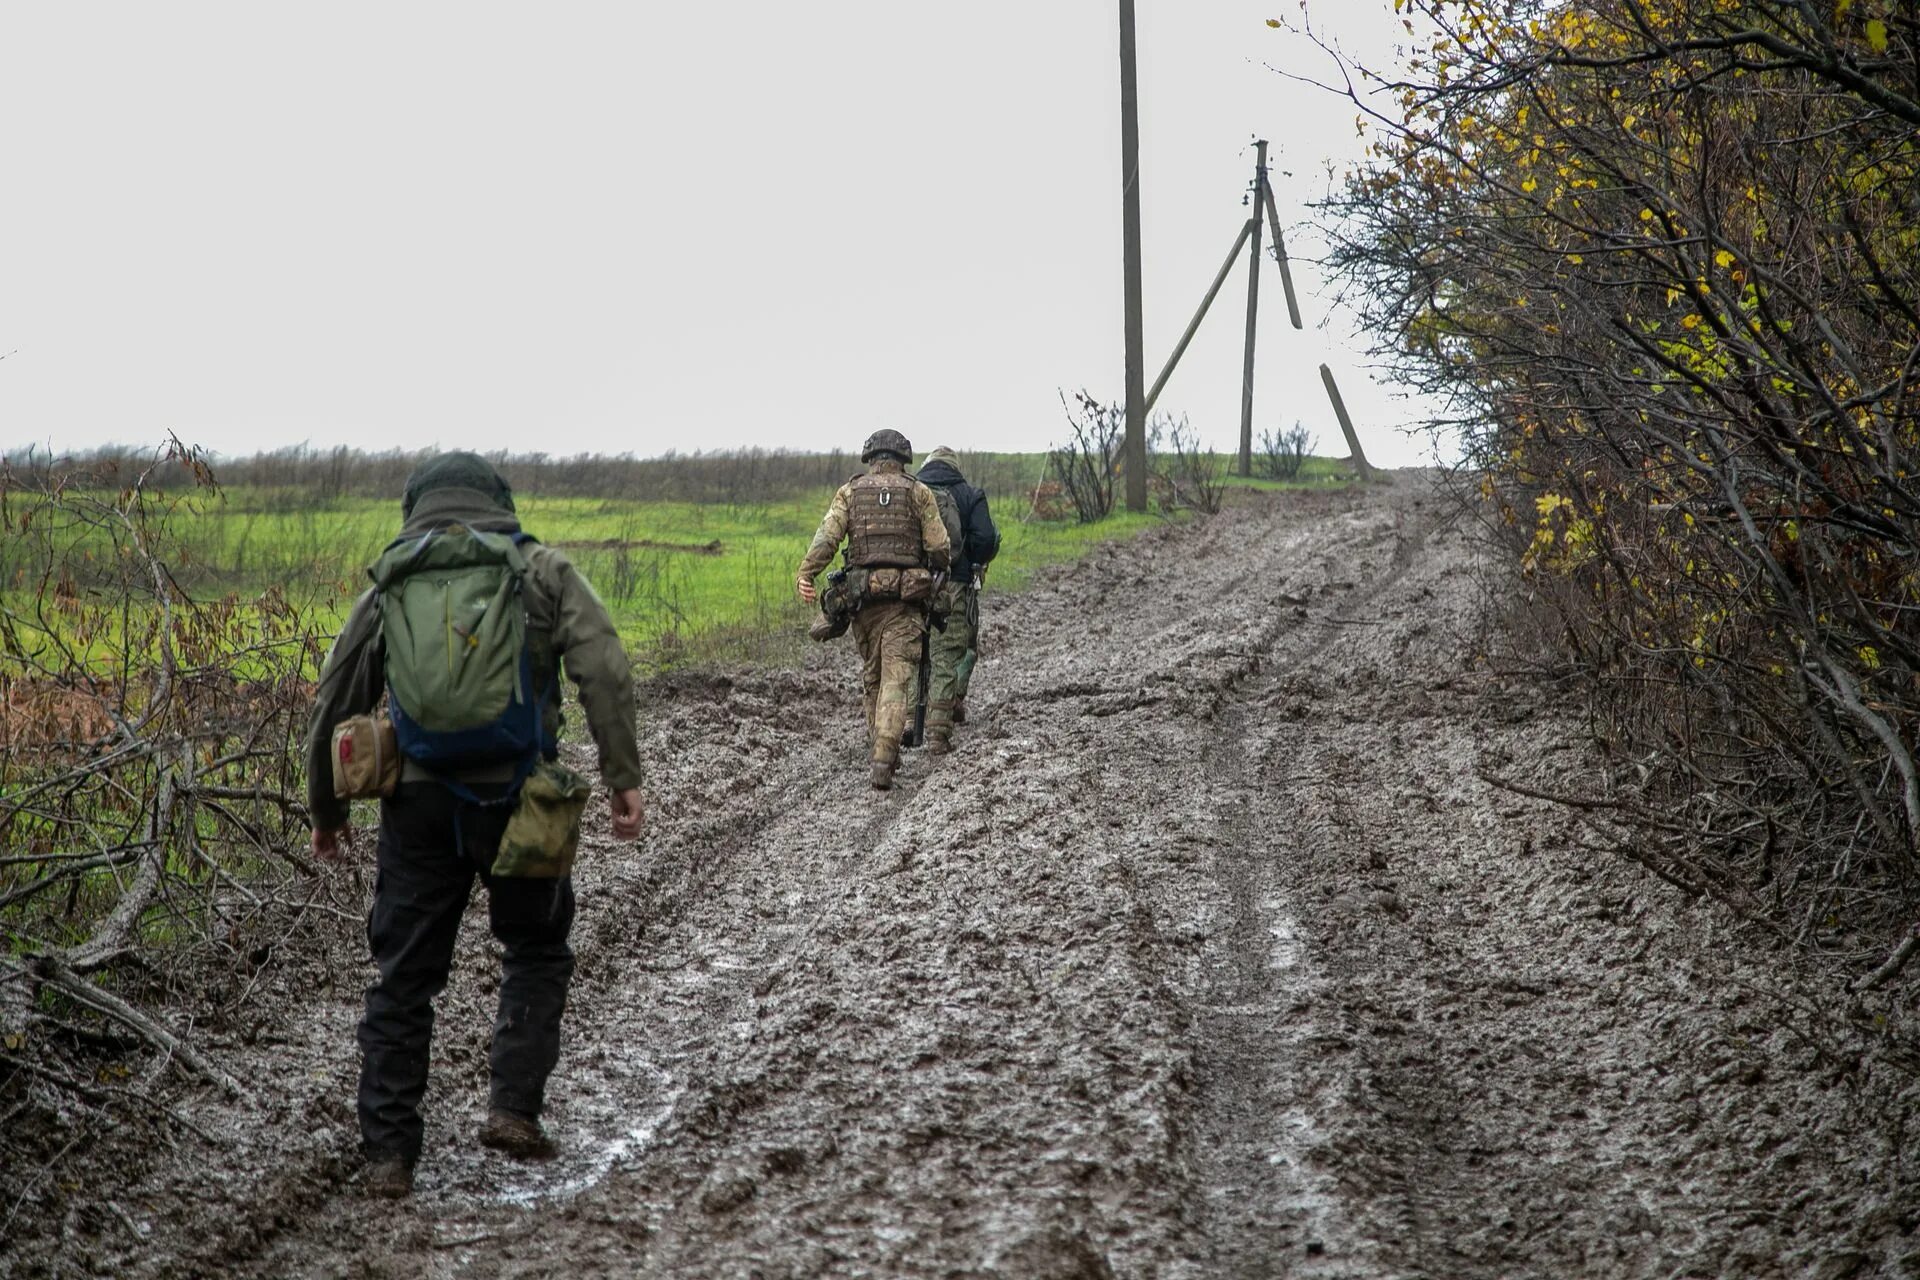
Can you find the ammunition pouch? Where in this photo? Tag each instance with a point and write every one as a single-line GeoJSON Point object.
{"type": "Point", "coordinates": [917, 585]}
{"type": "Point", "coordinates": [849, 589]}
{"type": "Point", "coordinates": [909, 586]}
{"type": "Point", "coordinates": [883, 584]}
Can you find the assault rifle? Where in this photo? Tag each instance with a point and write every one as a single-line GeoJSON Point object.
{"type": "Point", "coordinates": [917, 736]}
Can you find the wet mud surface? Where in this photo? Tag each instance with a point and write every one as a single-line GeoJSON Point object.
{"type": "Point", "coordinates": [1209, 953]}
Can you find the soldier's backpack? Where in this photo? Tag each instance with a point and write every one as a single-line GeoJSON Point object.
{"type": "Point", "coordinates": [950, 516]}
{"type": "Point", "coordinates": [459, 673]}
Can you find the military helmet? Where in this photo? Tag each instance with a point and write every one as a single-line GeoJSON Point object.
{"type": "Point", "coordinates": [887, 440]}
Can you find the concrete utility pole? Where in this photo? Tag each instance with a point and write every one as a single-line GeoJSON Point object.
{"type": "Point", "coordinates": [1135, 452]}
{"type": "Point", "coordinates": [1253, 315]}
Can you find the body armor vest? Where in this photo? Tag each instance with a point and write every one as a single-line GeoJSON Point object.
{"type": "Point", "coordinates": [882, 526]}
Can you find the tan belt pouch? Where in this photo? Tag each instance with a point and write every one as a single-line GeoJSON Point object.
{"type": "Point", "coordinates": [366, 758]}
{"type": "Point", "coordinates": [916, 585]}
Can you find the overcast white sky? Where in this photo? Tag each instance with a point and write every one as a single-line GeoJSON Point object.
{"type": "Point", "coordinates": [638, 227]}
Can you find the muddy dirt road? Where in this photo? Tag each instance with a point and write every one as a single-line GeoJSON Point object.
{"type": "Point", "coordinates": [1210, 953]}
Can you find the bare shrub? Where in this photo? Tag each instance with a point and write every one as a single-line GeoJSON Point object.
{"type": "Point", "coordinates": [1188, 475]}
{"type": "Point", "coordinates": [1283, 453]}
{"type": "Point", "coordinates": [1086, 465]}
{"type": "Point", "coordinates": [152, 827]}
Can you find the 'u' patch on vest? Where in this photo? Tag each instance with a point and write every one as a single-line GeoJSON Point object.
{"type": "Point", "coordinates": [886, 498]}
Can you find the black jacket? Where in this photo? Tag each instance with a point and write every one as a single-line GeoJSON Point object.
{"type": "Point", "coordinates": [982, 536]}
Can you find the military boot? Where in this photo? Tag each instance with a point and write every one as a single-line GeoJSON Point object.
{"type": "Point", "coordinates": [882, 775]}
{"type": "Point", "coordinates": [940, 727]}
{"type": "Point", "coordinates": [959, 710]}
{"type": "Point", "coordinates": [519, 1136]}
{"type": "Point", "coordinates": [388, 1177]}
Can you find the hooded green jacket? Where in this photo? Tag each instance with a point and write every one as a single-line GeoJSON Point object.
{"type": "Point", "coordinates": [567, 626]}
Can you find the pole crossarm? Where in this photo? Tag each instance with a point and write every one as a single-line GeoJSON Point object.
{"type": "Point", "coordinates": [1193, 327]}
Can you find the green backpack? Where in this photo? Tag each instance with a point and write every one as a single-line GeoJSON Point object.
{"type": "Point", "coordinates": [459, 672]}
{"type": "Point", "coordinates": [950, 516]}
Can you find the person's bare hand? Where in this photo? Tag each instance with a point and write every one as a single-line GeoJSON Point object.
{"type": "Point", "coordinates": [333, 846]}
{"type": "Point", "coordinates": [808, 591]}
{"type": "Point", "coordinates": [628, 812]}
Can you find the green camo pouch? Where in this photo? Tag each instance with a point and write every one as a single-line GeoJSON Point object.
{"type": "Point", "coordinates": [543, 834]}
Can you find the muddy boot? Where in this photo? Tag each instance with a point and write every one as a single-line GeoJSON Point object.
{"type": "Point", "coordinates": [939, 744]}
{"type": "Point", "coordinates": [959, 710]}
{"type": "Point", "coordinates": [388, 1177]}
{"type": "Point", "coordinates": [882, 775]}
{"type": "Point", "coordinates": [519, 1136]}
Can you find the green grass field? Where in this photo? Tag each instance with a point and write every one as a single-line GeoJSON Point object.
{"type": "Point", "coordinates": [1315, 473]}
{"type": "Point", "coordinates": [684, 580]}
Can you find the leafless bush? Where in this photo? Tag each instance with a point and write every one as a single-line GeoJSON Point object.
{"type": "Point", "coordinates": [1188, 475]}
{"type": "Point", "coordinates": [151, 825]}
{"type": "Point", "coordinates": [1283, 453]}
{"type": "Point", "coordinates": [1086, 465]}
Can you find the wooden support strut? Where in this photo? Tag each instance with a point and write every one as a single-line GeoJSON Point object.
{"type": "Point", "coordinates": [1180, 348]}
{"type": "Point", "coordinates": [1280, 252]}
{"type": "Point", "coordinates": [1346, 425]}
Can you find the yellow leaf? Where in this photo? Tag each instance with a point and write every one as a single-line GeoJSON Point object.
{"type": "Point", "coordinates": [1877, 35]}
{"type": "Point", "coordinates": [1723, 259]}
{"type": "Point", "coordinates": [1275, 22]}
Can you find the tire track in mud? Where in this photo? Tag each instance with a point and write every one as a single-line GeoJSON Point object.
{"type": "Point", "coordinates": [1207, 954]}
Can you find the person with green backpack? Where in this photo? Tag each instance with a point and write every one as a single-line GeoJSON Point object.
{"type": "Point", "coordinates": [442, 696]}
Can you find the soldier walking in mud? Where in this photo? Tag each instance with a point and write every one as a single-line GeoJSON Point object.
{"type": "Point", "coordinates": [953, 648]}
{"type": "Point", "coordinates": [463, 637]}
{"type": "Point", "coordinates": [896, 548]}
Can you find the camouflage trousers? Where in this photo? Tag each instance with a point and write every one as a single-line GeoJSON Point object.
{"type": "Point", "coordinates": [952, 662]}
{"type": "Point", "coordinates": [889, 638]}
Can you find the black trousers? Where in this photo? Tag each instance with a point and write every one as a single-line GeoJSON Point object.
{"type": "Point", "coordinates": [432, 845]}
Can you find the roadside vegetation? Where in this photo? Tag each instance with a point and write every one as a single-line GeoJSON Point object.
{"type": "Point", "coordinates": [1658, 262]}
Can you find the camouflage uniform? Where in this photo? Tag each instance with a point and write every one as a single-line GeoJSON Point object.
{"type": "Point", "coordinates": [881, 536]}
